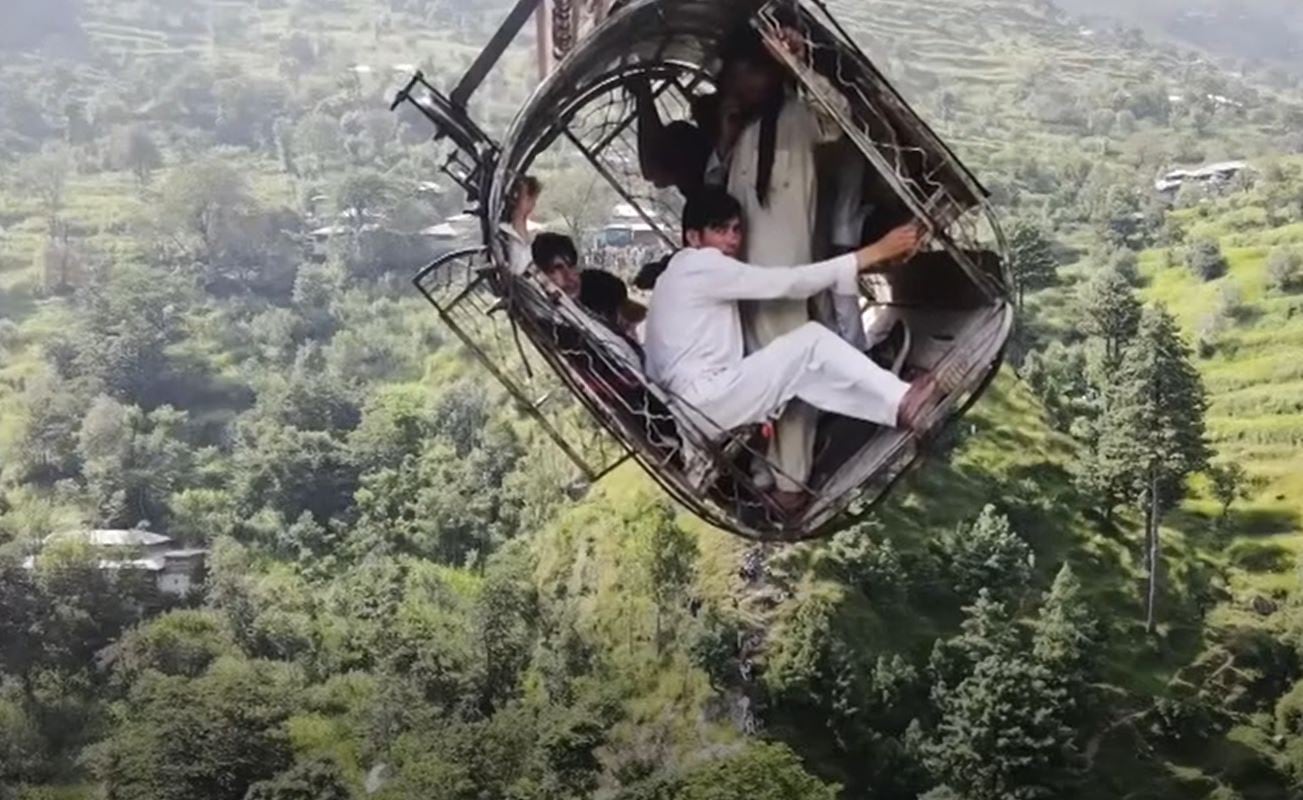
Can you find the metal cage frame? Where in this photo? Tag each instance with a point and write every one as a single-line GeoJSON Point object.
{"type": "Point", "coordinates": [673, 43]}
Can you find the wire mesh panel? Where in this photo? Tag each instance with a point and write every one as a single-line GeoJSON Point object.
{"type": "Point", "coordinates": [918, 166]}
{"type": "Point", "coordinates": [468, 294]}
{"type": "Point", "coordinates": [604, 129]}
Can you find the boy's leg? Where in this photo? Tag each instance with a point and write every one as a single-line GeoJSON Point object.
{"type": "Point", "coordinates": [814, 365]}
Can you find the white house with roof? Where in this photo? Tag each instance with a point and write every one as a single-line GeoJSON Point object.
{"type": "Point", "coordinates": [1211, 176]}
{"type": "Point", "coordinates": [176, 570]}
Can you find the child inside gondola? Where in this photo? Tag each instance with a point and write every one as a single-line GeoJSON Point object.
{"type": "Point", "coordinates": [695, 344]}
{"type": "Point", "coordinates": [766, 145]}
{"type": "Point", "coordinates": [515, 229]}
{"type": "Point", "coordinates": [773, 174]}
{"type": "Point", "coordinates": [599, 294]}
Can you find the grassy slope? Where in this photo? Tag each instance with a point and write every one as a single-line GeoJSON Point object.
{"type": "Point", "coordinates": [1254, 379]}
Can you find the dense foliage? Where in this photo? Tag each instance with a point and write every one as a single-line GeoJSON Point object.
{"type": "Point", "coordinates": [208, 223]}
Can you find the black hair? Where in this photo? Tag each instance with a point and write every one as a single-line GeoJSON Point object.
{"type": "Point", "coordinates": [685, 148]}
{"type": "Point", "coordinates": [711, 207]}
{"type": "Point", "coordinates": [650, 273]}
{"type": "Point", "coordinates": [548, 247]}
{"type": "Point", "coordinates": [602, 293]}
{"type": "Point", "coordinates": [706, 110]}
{"type": "Point", "coordinates": [745, 46]}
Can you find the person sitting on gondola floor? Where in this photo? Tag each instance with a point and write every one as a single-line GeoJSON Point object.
{"type": "Point", "coordinates": [695, 347]}
{"type": "Point", "coordinates": [592, 301]}
{"type": "Point", "coordinates": [557, 258]}
{"type": "Point", "coordinates": [607, 298]}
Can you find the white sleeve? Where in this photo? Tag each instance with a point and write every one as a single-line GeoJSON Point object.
{"type": "Point", "coordinates": [519, 256]}
{"type": "Point", "coordinates": [729, 279]}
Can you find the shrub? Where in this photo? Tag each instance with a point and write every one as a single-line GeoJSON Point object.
{"type": "Point", "coordinates": [1205, 259]}
{"type": "Point", "coordinates": [9, 333]}
{"type": "Point", "coordinates": [1284, 270]}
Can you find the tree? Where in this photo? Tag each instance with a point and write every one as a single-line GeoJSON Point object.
{"type": "Point", "coordinates": [23, 756]}
{"type": "Point", "coordinates": [202, 201]}
{"type": "Point", "coordinates": [1002, 717]}
{"type": "Point", "coordinates": [987, 630]}
{"type": "Point", "coordinates": [183, 642]}
{"type": "Point", "coordinates": [1284, 270]}
{"type": "Point", "coordinates": [1066, 633]}
{"type": "Point", "coordinates": [1060, 376]}
{"type": "Point", "coordinates": [362, 196]}
{"type": "Point", "coordinates": [442, 506]}
{"type": "Point", "coordinates": [1031, 257]}
{"type": "Point", "coordinates": [760, 772]}
{"type": "Point", "coordinates": [988, 555]}
{"type": "Point", "coordinates": [128, 317]}
{"type": "Point", "coordinates": [81, 608]}
{"type": "Point", "coordinates": [207, 738]}
{"type": "Point", "coordinates": [1230, 482]}
{"type": "Point", "coordinates": [315, 779]}
{"type": "Point", "coordinates": [668, 556]}
{"type": "Point", "coordinates": [44, 177]}
{"type": "Point", "coordinates": [291, 470]}
{"type": "Point", "coordinates": [1205, 259]}
{"type": "Point", "coordinates": [132, 148]}
{"type": "Point", "coordinates": [567, 750]}
{"type": "Point", "coordinates": [1110, 311]}
{"type": "Point", "coordinates": [47, 449]}
{"type": "Point", "coordinates": [133, 461]}
{"type": "Point", "coordinates": [396, 423]}
{"type": "Point", "coordinates": [1002, 733]}
{"type": "Point", "coordinates": [506, 616]}
{"type": "Point", "coordinates": [714, 646]}
{"type": "Point", "coordinates": [580, 198]}
{"type": "Point", "coordinates": [1152, 434]}
{"type": "Point", "coordinates": [318, 143]}
{"type": "Point", "coordinates": [21, 605]}
{"type": "Point", "coordinates": [875, 567]}
{"type": "Point", "coordinates": [247, 109]}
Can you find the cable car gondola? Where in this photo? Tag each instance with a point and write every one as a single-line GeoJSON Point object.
{"type": "Point", "coordinates": [954, 297]}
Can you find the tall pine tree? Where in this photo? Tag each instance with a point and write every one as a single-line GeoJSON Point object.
{"type": "Point", "coordinates": [1152, 434]}
{"type": "Point", "coordinates": [1002, 729]}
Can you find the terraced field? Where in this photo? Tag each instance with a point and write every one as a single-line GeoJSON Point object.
{"type": "Point", "coordinates": [1254, 379]}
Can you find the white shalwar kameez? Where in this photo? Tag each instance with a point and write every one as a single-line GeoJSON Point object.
{"type": "Point", "coordinates": [519, 257]}
{"type": "Point", "coordinates": [781, 233]}
{"type": "Point", "coordinates": [695, 347]}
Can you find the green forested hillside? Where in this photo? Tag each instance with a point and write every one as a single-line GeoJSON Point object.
{"type": "Point", "coordinates": [402, 600]}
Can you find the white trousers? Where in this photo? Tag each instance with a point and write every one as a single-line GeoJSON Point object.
{"type": "Point", "coordinates": [811, 364]}
{"type": "Point", "coordinates": [792, 449]}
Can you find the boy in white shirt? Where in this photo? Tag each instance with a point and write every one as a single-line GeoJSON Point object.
{"type": "Point", "coordinates": [695, 346]}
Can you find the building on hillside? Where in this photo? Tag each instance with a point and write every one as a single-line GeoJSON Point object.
{"type": "Point", "coordinates": [176, 570]}
{"type": "Point", "coordinates": [1213, 177]}
{"type": "Point", "coordinates": [627, 228]}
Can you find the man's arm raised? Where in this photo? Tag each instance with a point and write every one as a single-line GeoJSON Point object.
{"type": "Point", "coordinates": [729, 279]}
{"type": "Point", "coordinates": [899, 245]}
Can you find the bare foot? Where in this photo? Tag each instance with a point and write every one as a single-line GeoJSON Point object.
{"type": "Point", "coordinates": [926, 392]}
{"type": "Point", "coordinates": [916, 402]}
